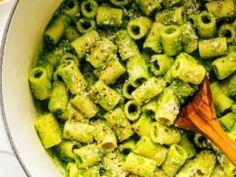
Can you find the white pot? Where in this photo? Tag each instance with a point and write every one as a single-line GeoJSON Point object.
{"type": "Point", "coordinates": [20, 48]}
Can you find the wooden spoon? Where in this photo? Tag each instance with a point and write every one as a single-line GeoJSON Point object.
{"type": "Point", "coordinates": [199, 115]}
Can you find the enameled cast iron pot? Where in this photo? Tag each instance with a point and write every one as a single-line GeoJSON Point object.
{"type": "Point", "coordinates": [19, 48]}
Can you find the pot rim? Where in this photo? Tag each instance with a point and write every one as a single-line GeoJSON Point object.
{"type": "Point", "coordinates": [3, 114]}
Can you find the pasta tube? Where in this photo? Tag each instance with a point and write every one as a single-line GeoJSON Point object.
{"type": "Point", "coordinates": [206, 25]}
{"type": "Point", "coordinates": [71, 8]}
{"type": "Point", "coordinates": [104, 95]}
{"type": "Point", "coordinates": [175, 16]}
{"type": "Point", "coordinates": [148, 6]}
{"type": "Point", "coordinates": [39, 83]}
{"type": "Point", "coordinates": [140, 165]}
{"type": "Point", "coordinates": [171, 40]}
{"type": "Point", "coordinates": [224, 66]}
{"type": "Point", "coordinates": [227, 31]}
{"type": "Point", "coordinates": [101, 52]}
{"type": "Point", "coordinates": [176, 157]}
{"type": "Point", "coordinates": [84, 104]}
{"type": "Point", "coordinates": [89, 8]}
{"type": "Point", "coordinates": [145, 147]}
{"type": "Point", "coordinates": [59, 98]}
{"type": "Point", "coordinates": [109, 16]}
{"type": "Point", "coordinates": [85, 25]}
{"type": "Point", "coordinates": [220, 100]}
{"type": "Point", "coordinates": [105, 138]}
{"type": "Point", "coordinates": [165, 135]}
{"type": "Point", "coordinates": [71, 76]}
{"type": "Point", "coordinates": [55, 30]}
{"type": "Point", "coordinates": [189, 38]}
{"type": "Point", "coordinates": [132, 110]}
{"type": "Point", "coordinates": [81, 132]}
{"type": "Point", "coordinates": [84, 43]}
{"type": "Point", "coordinates": [112, 71]}
{"type": "Point", "coordinates": [127, 47]}
{"type": "Point", "coordinates": [119, 123]}
{"type": "Point", "coordinates": [137, 70]}
{"type": "Point", "coordinates": [167, 109]}
{"type": "Point", "coordinates": [160, 64]}
{"type": "Point", "coordinates": [88, 155]}
{"type": "Point", "coordinates": [153, 39]}
{"type": "Point", "coordinates": [143, 126]}
{"type": "Point", "coordinates": [139, 27]}
{"type": "Point", "coordinates": [212, 47]}
{"type": "Point", "coordinates": [148, 90]}
{"type": "Point", "coordinates": [229, 85]}
{"type": "Point", "coordinates": [48, 130]}
{"type": "Point", "coordinates": [203, 163]}
{"type": "Point", "coordinates": [221, 9]}
{"type": "Point", "coordinates": [188, 69]}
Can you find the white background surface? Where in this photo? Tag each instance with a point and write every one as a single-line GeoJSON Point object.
{"type": "Point", "coordinates": [9, 166]}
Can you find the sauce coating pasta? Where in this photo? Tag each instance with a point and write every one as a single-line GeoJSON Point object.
{"type": "Point", "coordinates": [112, 76]}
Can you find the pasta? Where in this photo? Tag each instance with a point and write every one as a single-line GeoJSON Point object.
{"type": "Point", "coordinates": [206, 25]}
{"type": "Point", "coordinates": [171, 40]}
{"type": "Point", "coordinates": [112, 76]}
{"type": "Point", "coordinates": [139, 27]}
{"type": "Point", "coordinates": [147, 148]}
{"type": "Point", "coordinates": [48, 130]}
{"type": "Point", "coordinates": [153, 39]}
{"type": "Point", "coordinates": [173, 16]}
{"type": "Point", "coordinates": [40, 84]}
{"type": "Point", "coordinates": [175, 159]}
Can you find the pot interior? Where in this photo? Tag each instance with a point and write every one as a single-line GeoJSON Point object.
{"type": "Point", "coordinates": [23, 42]}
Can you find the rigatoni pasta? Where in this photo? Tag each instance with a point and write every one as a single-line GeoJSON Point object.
{"type": "Point", "coordinates": [112, 76]}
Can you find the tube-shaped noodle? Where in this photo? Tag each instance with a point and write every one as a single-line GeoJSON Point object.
{"type": "Point", "coordinates": [88, 155]}
{"type": "Point", "coordinates": [228, 31]}
{"type": "Point", "coordinates": [140, 165]}
{"type": "Point", "coordinates": [104, 95]}
{"type": "Point", "coordinates": [165, 135]}
{"type": "Point", "coordinates": [148, 90]}
{"type": "Point", "coordinates": [71, 76]}
{"type": "Point", "coordinates": [171, 40]}
{"type": "Point", "coordinates": [139, 27]}
{"type": "Point", "coordinates": [167, 109]}
{"type": "Point", "coordinates": [84, 104]}
{"type": "Point", "coordinates": [221, 101]}
{"type": "Point", "coordinates": [127, 47]}
{"type": "Point", "coordinates": [108, 16]}
{"type": "Point", "coordinates": [132, 110]}
{"type": "Point", "coordinates": [148, 6]}
{"type": "Point", "coordinates": [176, 157]}
{"type": "Point", "coordinates": [119, 123]}
{"type": "Point", "coordinates": [145, 147]}
{"type": "Point", "coordinates": [160, 64]}
{"type": "Point", "coordinates": [175, 16]}
{"type": "Point", "coordinates": [59, 98]}
{"type": "Point", "coordinates": [153, 39]}
{"type": "Point", "coordinates": [83, 43]}
{"type": "Point", "coordinates": [212, 47]}
{"type": "Point", "coordinates": [89, 8]}
{"type": "Point", "coordinates": [85, 25]}
{"type": "Point", "coordinates": [206, 25]}
{"type": "Point", "coordinates": [81, 132]}
{"type": "Point", "coordinates": [48, 130]}
{"type": "Point", "coordinates": [225, 66]}
{"type": "Point", "coordinates": [39, 83]}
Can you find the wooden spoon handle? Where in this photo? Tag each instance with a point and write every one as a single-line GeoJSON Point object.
{"type": "Point", "coordinates": [211, 128]}
{"type": "Point", "coordinates": [222, 141]}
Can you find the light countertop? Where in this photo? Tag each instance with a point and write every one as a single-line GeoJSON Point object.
{"type": "Point", "coordinates": [9, 166]}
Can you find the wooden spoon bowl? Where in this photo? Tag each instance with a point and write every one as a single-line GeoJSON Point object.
{"type": "Point", "coordinates": [199, 115]}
